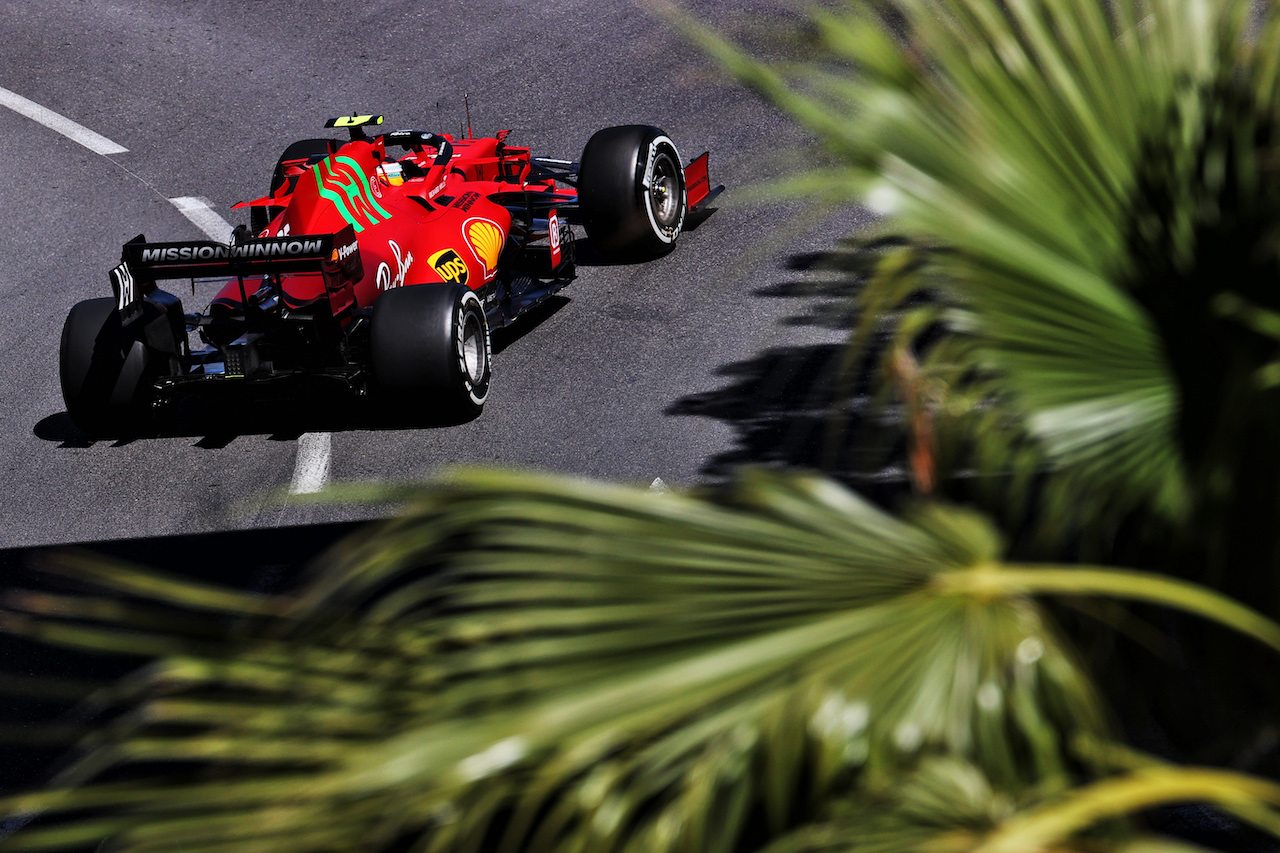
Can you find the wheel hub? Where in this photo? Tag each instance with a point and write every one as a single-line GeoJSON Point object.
{"type": "Point", "coordinates": [473, 350]}
{"type": "Point", "coordinates": [664, 192]}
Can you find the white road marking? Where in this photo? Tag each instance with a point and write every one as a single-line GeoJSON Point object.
{"type": "Point", "coordinates": [95, 142]}
{"type": "Point", "coordinates": [658, 486]}
{"type": "Point", "coordinates": [312, 468]}
{"type": "Point", "coordinates": [311, 471]}
{"type": "Point", "coordinates": [200, 212]}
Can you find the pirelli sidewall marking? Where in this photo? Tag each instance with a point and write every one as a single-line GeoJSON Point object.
{"type": "Point", "coordinates": [666, 234]}
{"type": "Point", "coordinates": [477, 388]}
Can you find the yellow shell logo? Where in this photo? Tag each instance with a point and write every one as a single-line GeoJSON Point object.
{"type": "Point", "coordinates": [485, 238]}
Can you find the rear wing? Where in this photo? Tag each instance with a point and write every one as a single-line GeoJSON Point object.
{"type": "Point", "coordinates": [142, 264]}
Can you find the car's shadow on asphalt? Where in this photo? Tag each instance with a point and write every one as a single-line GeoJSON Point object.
{"type": "Point", "coordinates": [217, 418]}
{"type": "Point", "coordinates": [806, 405]}
{"type": "Point", "coordinates": [219, 415]}
{"type": "Point", "coordinates": [585, 254]}
{"type": "Point", "coordinates": [504, 338]}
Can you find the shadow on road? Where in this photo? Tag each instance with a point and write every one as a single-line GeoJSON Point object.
{"type": "Point", "coordinates": [217, 416]}
{"type": "Point", "coordinates": [585, 254]}
{"type": "Point", "coordinates": [806, 406]}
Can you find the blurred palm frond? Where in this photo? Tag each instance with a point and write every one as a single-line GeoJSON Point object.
{"type": "Point", "coordinates": [555, 663]}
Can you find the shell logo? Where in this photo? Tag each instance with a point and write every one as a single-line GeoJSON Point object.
{"type": "Point", "coordinates": [486, 239]}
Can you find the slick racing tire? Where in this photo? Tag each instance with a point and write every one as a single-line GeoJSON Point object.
{"type": "Point", "coordinates": [631, 192]}
{"type": "Point", "coordinates": [104, 374]}
{"type": "Point", "coordinates": [429, 347]}
{"type": "Point", "coordinates": [311, 150]}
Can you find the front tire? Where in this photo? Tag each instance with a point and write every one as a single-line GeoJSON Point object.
{"type": "Point", "coordinates": [103, 373]}
{"type": "Point", "coordinates": [429, 346]}
{"type": "Point", "coordinates": [631, 192]}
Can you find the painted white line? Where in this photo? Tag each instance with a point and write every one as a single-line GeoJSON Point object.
{"type": "Point", "coordinates": [311, 471]}
{"type": "Point", "coordinates": [200, 212]}
{"type": "Point", "coordinates": [95, 142]}
{"type": "Point", "coordinates": [658, 487]}
{"type": "Point", "coordinates": [312, 468]}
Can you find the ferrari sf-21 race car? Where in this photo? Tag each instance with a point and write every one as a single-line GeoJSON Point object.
{"type": "Point", "coordinates": [386, 273]}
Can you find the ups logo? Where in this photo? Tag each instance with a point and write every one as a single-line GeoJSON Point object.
{"type": "Point", "coordinates": [451, 267]}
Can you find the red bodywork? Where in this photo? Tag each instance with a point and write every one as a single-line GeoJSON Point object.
{"type": "Point", "coordinates": [437, 226]}
{"type": "Point", "coordinates": [486, 228]}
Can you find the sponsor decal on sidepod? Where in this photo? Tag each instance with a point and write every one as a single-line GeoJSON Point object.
{"type": "Point", "coordinates": [485, 238]}
{"type": "Point", "coordinates": [450, 265]}
{"type": "Point", "coordinates": [383, 277]}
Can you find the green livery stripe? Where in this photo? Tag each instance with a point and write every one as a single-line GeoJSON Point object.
{"type": "Point", "coordinates": [334, 197]}
{"type": "Point", "coordinates": [364, 185]}
{"type": "Point", "coordinates": [350, 194]}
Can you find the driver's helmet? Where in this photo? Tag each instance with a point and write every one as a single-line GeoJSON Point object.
{"type": "Point", "coordinates": [390, 174]}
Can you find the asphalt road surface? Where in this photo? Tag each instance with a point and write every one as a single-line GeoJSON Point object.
{"type": "Point", "coordinates": [205, 95]}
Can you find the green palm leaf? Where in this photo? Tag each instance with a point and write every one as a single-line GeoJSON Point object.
{"type": "Point", "coordinates": [948, 805]}
{"type": "Point", "coordinates": [1089, 195]}
{"type": "Point", "coordinates": [566, 665]}
{"type": "Point", "coordinates": [1091, 171]}
{"type": "Point", "coordinates": [523, 662]}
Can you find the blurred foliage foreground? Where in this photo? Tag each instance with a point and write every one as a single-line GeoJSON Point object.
{"type": "Point", "coordinates": [1080, 326]}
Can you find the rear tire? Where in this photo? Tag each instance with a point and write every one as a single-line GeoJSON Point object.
{"type": "Point", "coordinates": [311, 150]}
{"type": "Point", "coordinates": [429, 347]}
{"type": "Point", "coordinates": [103, 373]}
{"type": "Point", "coordinates": [631, 192]}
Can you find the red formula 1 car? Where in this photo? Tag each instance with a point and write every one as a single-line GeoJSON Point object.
{"type": "Point", "coordinates": [384, 272]}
